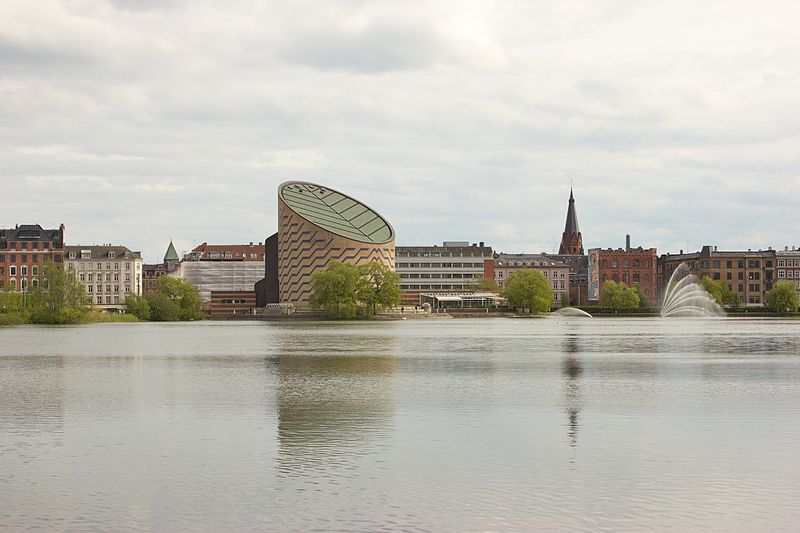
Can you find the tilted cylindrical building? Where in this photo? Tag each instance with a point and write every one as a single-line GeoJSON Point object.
{"type": "Point", "coordinates": [317, 225]}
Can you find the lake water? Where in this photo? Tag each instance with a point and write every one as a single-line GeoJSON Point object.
{"type": "Point", "coordinates": [426, 425]}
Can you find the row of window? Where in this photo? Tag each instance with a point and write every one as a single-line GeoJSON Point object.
{"type": "Point", "coordinates": [403, 275]}
{"type": "Point", "coordinates": [24, 245]}
{"type": "Point", "coordinates": [788, 274]}
{"type": "Point", "coordinates": [23, 258]}
{"type": "Point", "coordinates": [440, 254]}
{"type": "Point", "coordinates": [23, 270]}
{"type": "Point", "coordinates": [88, 266]}
{"type": "Point", "coordinates": [626, 278]}
{"type": "Point", "coordinates": [625, 263]}
{"type": "Point", "coordinates": [439, 265]}
{"type": "Point", "coordinates": [432, 287]}
{"type": "Point", "coordinates": [99, 288]}
{"type": "Point", "coordinates": [556, 273]}
{"type": "Point", "coordinates": [108, 300]}
{"type": "Point", "coordinates": [91, 276]}
{"type": "Point", "coordinates": [233, 301]}
{"type": "Point", "coordinates": [24, 283]}
{"type": "Point", "coordinates": [788, 263]}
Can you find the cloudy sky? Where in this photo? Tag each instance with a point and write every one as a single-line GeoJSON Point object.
{"type": "Point", "coordinates": [134, 121]}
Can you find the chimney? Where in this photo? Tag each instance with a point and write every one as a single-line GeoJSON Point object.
{"type": "Point", "coordinates": [628, 241]}
{"type": "Point", "coordinates": [681, 252]}
{"type": "Point", "coordinates": [481, 243]}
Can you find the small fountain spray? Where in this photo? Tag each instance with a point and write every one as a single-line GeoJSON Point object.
{"type": "Point", "coordinates": [685, 297]}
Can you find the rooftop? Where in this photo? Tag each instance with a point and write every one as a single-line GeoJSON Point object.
{"type": "Point", "coordinates": [336, 212]}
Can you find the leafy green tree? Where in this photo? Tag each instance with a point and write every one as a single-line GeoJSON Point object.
{"type": "Point", "coordinates": [336, 290]}
{"type": "Point", "coordinates": [12, 307]}
{"type": "Point", "coordinates": [59, 298]}
{"type": "Point", "coordinates": [482, 284]}
{"type": "Point", "coordinates": [783, 298]}
{"type": "Point", "coordinates": [174, 299]}
{"type": "Point", "coordinates": [719, 290]}
{"type": "Point", "coordinates": [644, 301]}
{"type": "Point", "coordinates": [381, 289]}
{"type": "Point", "coordinates": [617, 296]}
{"type": "Point", "coordinates": [528, 289]}
{"type": "Point", "coordinates": [163, 308]}
{"type": "Point", "coordinates": [138, 306]}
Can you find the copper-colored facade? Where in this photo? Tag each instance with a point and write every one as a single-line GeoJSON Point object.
{"type": "Point", "coordinates": [305, 247]}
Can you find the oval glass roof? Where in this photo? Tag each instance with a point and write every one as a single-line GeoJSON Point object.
{"type": "Point", "coordinates": [336, 212]}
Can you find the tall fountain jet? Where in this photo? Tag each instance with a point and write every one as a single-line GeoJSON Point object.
{"type": "Point", "coordinates": [685, 297]}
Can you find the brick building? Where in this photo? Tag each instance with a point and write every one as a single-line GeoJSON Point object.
{"type": "Point", "coordinates": [151, 272]}
{"type": "Point", "coordinates": [749, 273]}
{"type": "Point", "coordinates": [22, 251]}
{"type": "Point", "coordinates": [629, 266]}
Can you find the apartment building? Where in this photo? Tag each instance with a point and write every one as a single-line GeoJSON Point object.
{"type": "Point", "coordinates": [556, 272]}
{"type": "Point", "coordinates": [788, 266]}
{"type": "Point", "coordinates": [629, 266]}
{"type": "Point", "coordinates": [23, 249]}
{"type": "Point", "coordinates": [108, 273]}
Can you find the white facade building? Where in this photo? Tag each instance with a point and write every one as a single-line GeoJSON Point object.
{"type": "Point", "coordinates": [108, 273]}
{"type": "Point", "coordinates": [450, 267]}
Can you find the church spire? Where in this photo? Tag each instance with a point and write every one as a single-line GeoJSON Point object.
{"type": "Point", "coordinates": [571, 240]}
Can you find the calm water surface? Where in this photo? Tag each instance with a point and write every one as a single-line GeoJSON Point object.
{"type": "Point", "coordinates": [440, 425]}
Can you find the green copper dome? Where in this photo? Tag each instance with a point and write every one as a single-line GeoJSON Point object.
{"type": "Point", "coordinates": [336, 212]}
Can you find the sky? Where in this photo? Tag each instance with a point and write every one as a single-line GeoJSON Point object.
{"type": "Point", "coordinates": [135, 122]}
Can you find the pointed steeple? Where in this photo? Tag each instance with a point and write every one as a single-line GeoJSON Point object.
{"type": "Point", "coordinates": [571, 240]}
{"type": "Point", "coordinates": [171, 254]}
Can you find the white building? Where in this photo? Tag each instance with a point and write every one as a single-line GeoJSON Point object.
{"type": "Point", "coordinates": [108, 273]}
{"type": "Point", "coordinates": [788, 266]}
{"type": "Point", "coordinates": [450, 267]}
{"type": "Point", "coordinates": [556, 272]}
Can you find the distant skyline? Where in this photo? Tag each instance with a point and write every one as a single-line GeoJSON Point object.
{"type": "Point", "coordinates": [137, 121]}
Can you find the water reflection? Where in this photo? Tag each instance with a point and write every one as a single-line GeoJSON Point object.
{"type": "Point", "coordinates": [572, 369]}
{"type": "Point", "coordinates": [332, 408]}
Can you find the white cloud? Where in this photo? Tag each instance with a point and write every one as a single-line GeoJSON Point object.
{"type": "Point", "coordinates": [149, 120]}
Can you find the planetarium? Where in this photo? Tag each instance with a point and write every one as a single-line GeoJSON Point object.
{"type": "Point", "coordinates": [316, 226]}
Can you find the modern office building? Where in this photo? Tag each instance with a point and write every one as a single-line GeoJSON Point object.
{"type": "Point", "coordinates": [108, 273]}
{"type": "Point", "coordinates": [556, 272]}
{"type": "Point", "coordinates": [628, 266]}
{"type": "Point", "coordinates": [223, 268]}
{"type": "Point", "coordinates": [23, 249]}
{"type": "Point", "coordinates": [452, 267]}
{"type": "Point", "coordinates": [316, 226]}
{"type": "Point", "coordinates": [788, 268]}
{"type": "Point", "coordinates": [749, 273]}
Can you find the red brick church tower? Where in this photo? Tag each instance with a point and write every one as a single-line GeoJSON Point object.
{"type": "Point", "coordinates": [571, 241]}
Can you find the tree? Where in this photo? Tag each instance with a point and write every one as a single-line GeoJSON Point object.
{"type": "Point", "coordinates": [336, 290]}
{"type": "Point", "coordinates": [174, 299]}
{"type": "Point", "coordinates": [718, 290]}
{"type": "Point", "coordinates": [617, 296]}
{"type": "Point", "coordinates": [381, 289]}
{"type": "Point", "coordinates": [58, 298]}
{"type": "Point", "coordinates": [482, 284]}
{"type": "Point", "coordinates": [644, 301]}
{"type": "Point", "coordinates": [138, 306]}
{"type": "Point", "coordinates": [528, 289]}
{"type": "Point", "coordinates": [783, 298]}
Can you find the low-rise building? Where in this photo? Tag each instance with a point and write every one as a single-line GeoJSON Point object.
{"type": "Point", "coordinates": [108, 273]}
{"type": "Point", "coordinates": [223, 268]}
{"type": "Point", "coordinates": [749, 273]}
{"type": "Point", "coordinates": [629, 266]}
{"type": "Point", "coordinates": [556, 272]}
{"type": "Point", "coordinates": [452, 267]}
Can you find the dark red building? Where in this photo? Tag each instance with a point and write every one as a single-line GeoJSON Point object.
{"type": "Point", "coordinates": [23, 249]}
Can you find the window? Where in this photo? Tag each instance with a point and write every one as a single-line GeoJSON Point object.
{"type": "Point", "coordinates": [613, 263]}
{"type": "Point", "coordinates": [741, 276]}
{"type": "Point", "coordinates": [108, 266]}
{"type": "Point", "coordinates": [73, 255]}
{"type": "Point", "coordinates": [796, 263]}
{"type": "Point", "coordinates": [716, 275]}
{"type": "Point", "coordinates": [108, 288]}
{"type": "Point", "coordinates": [116, 266]}
{"type": "Point", "coordinates": [781, 262]}
{"type": "Point", "coordinates": [99, 266]}
{"type": "Point", "coordinates": [12, 271]}
{"type": "Point", "coordinates": [83, 277]}
{"type": "Point", "coordinates": [91, 276]}
{"type": "Point", "coordinates": [781, 274]}
{"type": "Point", "coordinates": [729, 264]}
{"type": "Point", "coordinates": [716, 264]}
{"type": "Point", "coordinates": [108, 277]}
{"type": "Point", "coordinates": [116, 277]}
{"type": "Point", "coordinates": [729, 276]}
{"type": "Point", "coordinates": [111, 255]}
{"type": "Point", "coordinates": [89, 288]}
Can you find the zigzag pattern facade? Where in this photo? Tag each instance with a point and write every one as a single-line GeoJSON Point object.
{"type": "Point", "coordinates": [304, 249]}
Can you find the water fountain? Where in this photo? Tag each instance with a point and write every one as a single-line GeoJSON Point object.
{"type": "Point", "coordinates": [571, 312]}
{"type": "Point", "coordinates": [685, 297]}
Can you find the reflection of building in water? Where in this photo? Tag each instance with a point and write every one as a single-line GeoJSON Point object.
{"type": "Point", "coordinates": [329, 404]}
{"type": "Point", "coordinates": [572, 369]}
